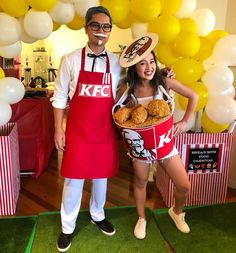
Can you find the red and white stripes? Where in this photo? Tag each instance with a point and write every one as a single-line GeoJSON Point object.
{"type": "Point", "coordinates": [207, 186]}
{"type": "Point", "coordinates": [9, 169]}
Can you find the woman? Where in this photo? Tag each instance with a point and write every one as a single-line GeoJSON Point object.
{"type": "Point", "coordinates": [144, 81]}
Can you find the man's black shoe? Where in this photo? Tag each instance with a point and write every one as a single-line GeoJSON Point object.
{"type": "Point", "coordinates": [64, 242]}
{"type": "Point", "coordinates": [105, 226]}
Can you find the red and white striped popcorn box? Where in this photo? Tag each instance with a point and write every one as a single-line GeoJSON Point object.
{"type": "Point", "coordinates": [207, 158]}
{"type": "Point", "coordinates": [9, 169]}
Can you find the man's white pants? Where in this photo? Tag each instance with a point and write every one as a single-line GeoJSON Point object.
{"type": "Point", "coordinates": [71, 201]}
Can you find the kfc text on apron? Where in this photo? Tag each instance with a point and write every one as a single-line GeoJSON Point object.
{"type": "Point", "coordinates": [91, 140]}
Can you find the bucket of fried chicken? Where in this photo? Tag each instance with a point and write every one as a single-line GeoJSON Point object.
{"type": "Point", "coordinates": [146, 131]}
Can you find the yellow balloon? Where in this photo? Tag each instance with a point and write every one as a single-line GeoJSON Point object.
{"type": "Point", "coordinates": [41, 5]}
{"type": "Point", "coordinates": [210, 126]}
{"type": "Point", "coordinates": [202, 92]}
{"type": "Point", "coordinates": [77, 23]}
{"type": "Point", "coordinates": [126, 23]}
{"type": "Point", "coordinates": [145, 11]}
{"type": "Point", "coordinates": [215, 35]}
{"type": "Point", "coordinates": [188, 25]}
{"type": "Point", "coordinates": [166, 26]}
{"type": "Point", "coordinates": [15, 8]}
{"type": "Point", "coordinates": [2, 74]}
{"type": "Point", "coordinates": [205, 49]}
{"type": "Point", "coordinates": [187, 70]}
{"type": "Point", "coordinates": [152, 26]}
{"type": "Point", "coordinates": [170, 6]}
{"type": "Point", "coordinates": [165, 54]}
{"type": "Point", "coordinates": [56, 26]}
{"type": "Point", "coordinates": [186, 44]}
{"type": "Point", "coordinates": [119, 9]}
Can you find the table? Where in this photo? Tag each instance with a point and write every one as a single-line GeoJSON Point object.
{"type": "Point", "coordinates": [34, 118]}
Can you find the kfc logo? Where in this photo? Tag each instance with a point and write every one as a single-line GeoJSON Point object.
{"type": "Point", "coordinates": [137, 145]}
{"type": "Point", "coordinates": [94, 90]}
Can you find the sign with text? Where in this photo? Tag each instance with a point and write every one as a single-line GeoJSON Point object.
{"type": "Point", "coordinates": [203, 158]}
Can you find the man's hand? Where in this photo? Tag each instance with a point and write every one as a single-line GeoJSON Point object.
{"type": "Point", "coordinates": [59, 139]}
{"type": "Point", "coordinates": [168, 72]}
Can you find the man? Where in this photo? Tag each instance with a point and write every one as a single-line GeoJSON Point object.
{"type": "Point", "coordinates": [90, 77]}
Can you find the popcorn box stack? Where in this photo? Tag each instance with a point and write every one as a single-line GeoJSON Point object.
{"type": "Point", "coordinates": [9, 169]}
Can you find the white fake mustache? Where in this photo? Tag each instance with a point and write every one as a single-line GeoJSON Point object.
{"type": "Point", "coordinates": [100, 35]}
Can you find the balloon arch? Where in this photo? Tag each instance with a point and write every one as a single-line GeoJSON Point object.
{"type": "Point", "coordinates": [199, 55]}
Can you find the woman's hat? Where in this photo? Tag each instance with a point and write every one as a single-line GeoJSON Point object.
{"type": "Point", "coordinates": [138, 50]}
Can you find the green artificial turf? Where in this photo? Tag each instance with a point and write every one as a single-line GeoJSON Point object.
{"type": "Point", "coordinates": [213, 229]}
{"type": "Point", "coordinates": [88, 238]}
{"type": "Point", "coordinates": [15, 234]}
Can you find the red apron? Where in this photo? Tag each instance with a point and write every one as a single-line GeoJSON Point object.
{"type": "Point", "coordinates": [91, 141]}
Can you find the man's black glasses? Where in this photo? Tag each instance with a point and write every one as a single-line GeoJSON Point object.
{"type": "Point", "coordinates": [96, 27]}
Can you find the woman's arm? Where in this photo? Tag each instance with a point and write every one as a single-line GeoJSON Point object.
{"type": "Point", "coordinates": [122, 88]}
{"type": "Point", "coordinates": [187, 92]}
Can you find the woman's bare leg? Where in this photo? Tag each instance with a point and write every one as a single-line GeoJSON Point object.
{"type": "Point", "coordinates": [141, 172]}
{"type": "Point", "coordinates": [178, 175]}
{"type": "Point", "coordinates": [176, 171]}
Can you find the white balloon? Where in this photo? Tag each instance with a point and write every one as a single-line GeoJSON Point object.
{"type": "Point", "coordinates": [62, 13]}
{"type": "Point", "coordinates": [81, 6]}
{"type": "Point", "coordinates": [38, 24]}
{"type": "Point", "coordinates": [24, 36]}
{"type": "Point", "coordinates": [10, 29]}
{"type": "Point", "coordinates": [139, 29]}
{"type": "Point", "coordinates": [230, 92]}
{"type": "Point", "coordinates": [5, 112]}
{"type": "Point", "coordinates": [11, 90]}
{"type": "Point", "coordinates": [204, 19]}
{"type": "Point", "coordinates": [11, 51]}
{"type": "Point", "coordinates": [221, 109]}
{"type": "Point", "coordinates": [208, 63]}
{"type": "Point", "coordinates": [218, 78]}
{"type": "Point", "coordinates": [224, 51]}
{"type": "Point", "coordinates": [186, 8]}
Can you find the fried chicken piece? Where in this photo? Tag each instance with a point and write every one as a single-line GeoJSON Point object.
{"type": "Point", "coordinates": [148, 122]}
{"type": "Point", "coordinates": [152, 121]}
{"type": "Point", "coordinates": [158, 108]}
{"type": "Point", "coordinates": [156, 120]}
{"type": "Point", "coordinates": [129, 123]}
{"type": "Point", "coordinates": [139, 114]}
{"type": "Point", "coordinates": [122, 115]}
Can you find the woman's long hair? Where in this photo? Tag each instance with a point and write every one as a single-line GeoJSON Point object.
{"type": "Point", "coordinates": [133, 78]}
